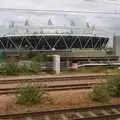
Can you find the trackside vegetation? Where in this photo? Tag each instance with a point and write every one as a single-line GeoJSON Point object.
{"type": "Point", "coordinates": [100, 94]}
{"type": "Point", "coordinates": [35, 66]}
{"type": "Point", "coordinates": [30, 94]}
{"type": "Point", "coordinates": [103, 93]}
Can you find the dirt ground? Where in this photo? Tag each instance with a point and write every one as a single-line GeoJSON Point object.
{"type": "Point", "coordinates": [58, 100]}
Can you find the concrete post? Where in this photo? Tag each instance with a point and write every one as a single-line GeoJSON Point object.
{"type": "Point", "coordinates": [56, 64]}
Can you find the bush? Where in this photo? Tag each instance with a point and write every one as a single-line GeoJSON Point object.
{"type": "Point", "coordinates": [109, 51]}
{"type": "Point", "coordinates": [30, 95]}
{"type": "Point", "coordinates": [38, 58]}
{"type": "Point", "coordinates": [35, 67]}
{"type": "Point", "coordinates": [109, 89]}
{"type": "Point", "coordinates": [100, 94]}
{"type": "Point", "coordinates": [113, 86]}
{"type": "Point", "coordinates": [24, 70]}
{"type": "Point", "coordinates": [31, 55]}
{"type": "Point", "coordinates": [10, 68]}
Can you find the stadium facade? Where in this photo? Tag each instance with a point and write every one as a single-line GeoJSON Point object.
{"type": "Point", "coordinates": [51, 42]}
{"type": "Point", "coordinates": [50, 37]}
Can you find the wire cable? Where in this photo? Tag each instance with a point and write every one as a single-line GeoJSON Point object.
{"type": "Point", "coordinates": [56, 11]}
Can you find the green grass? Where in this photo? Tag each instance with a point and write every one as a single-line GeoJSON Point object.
{"type": "Point", "coordinates": [105, 70]}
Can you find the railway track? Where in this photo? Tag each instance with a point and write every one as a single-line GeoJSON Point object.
{"type": "Point", "coordinates": [52, 88]}
{"type": "Point", "coordinates": [51, 79]}
{"type": "Point", "coordinates": [11, 86]}
{"type": "Point", "coordinates": [107, 112]}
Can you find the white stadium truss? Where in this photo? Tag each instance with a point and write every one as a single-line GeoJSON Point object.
{"type": "Point", "coordinates": [51, 38]}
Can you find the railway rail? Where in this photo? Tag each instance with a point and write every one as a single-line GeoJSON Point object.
{"type": "Point", "coordinates": [87, 86]}
{"type": "Point", "coordinates": [51, 78]}
{"type": "Point", "coordinates": [106, 112]}
{"type": "Point", "coordinates": [10, 86]}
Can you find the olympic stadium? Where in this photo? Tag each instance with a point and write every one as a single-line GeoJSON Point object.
{"type": "Point", "coordinates": [48, 42]}
{"type": "Point", "coordinates": [51, 38]}
{"type": "Point", "coordinates": [54, 39]}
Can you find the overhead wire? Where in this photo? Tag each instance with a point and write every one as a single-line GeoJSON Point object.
{"type": "Point", "coordinates": [56, 11]}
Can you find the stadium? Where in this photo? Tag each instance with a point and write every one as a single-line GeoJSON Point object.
{"type": "Point", "coordinates": [72, 43]}
{"type": "Point", "coordinates": [52, 42]}
{"type": "Point", "coordinates": [51, 37]}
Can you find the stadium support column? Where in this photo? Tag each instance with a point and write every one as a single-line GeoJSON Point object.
{"type": "Point", "coordinates": [56, 64]}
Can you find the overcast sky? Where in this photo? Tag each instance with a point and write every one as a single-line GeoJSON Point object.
{"type": "Point", "coordinates": [110, 23]}
{"type": "Point", "coordinates": [108, 20]}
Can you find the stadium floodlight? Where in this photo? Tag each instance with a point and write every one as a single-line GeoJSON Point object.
{"type": "Point", "coordinates": [50, 22]}
{"type": "Point", "coordinates": [90, 29]}
{"type": "Point", "coordinates": [27, 25]}
{"type": "Point", "coordinates": [72, 23]}
{"type": "Point", "coordinates": [93, 29]}
{"type": "Point", "coordinates": [87, 25]}
{"type": "Point", "coordinates": [11, 27]}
